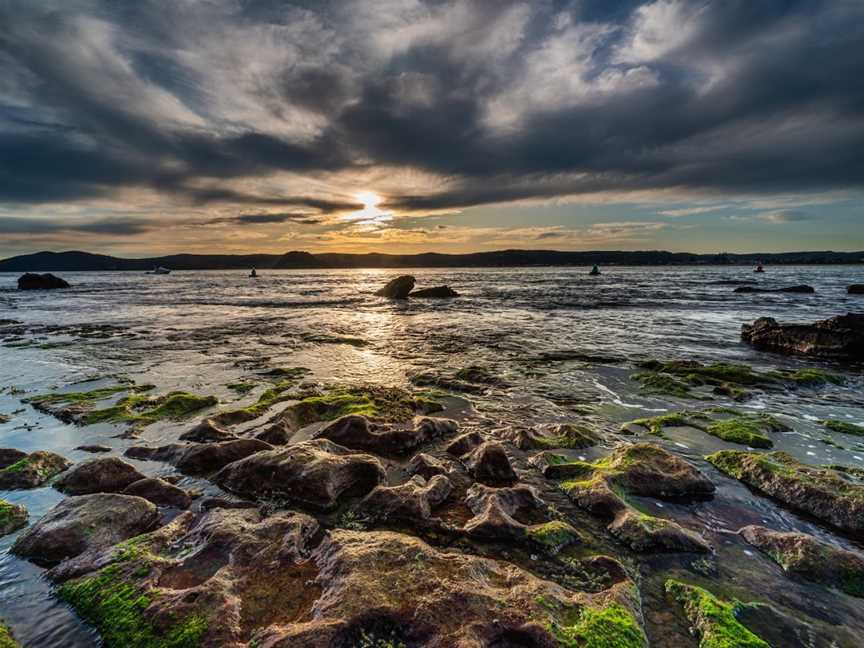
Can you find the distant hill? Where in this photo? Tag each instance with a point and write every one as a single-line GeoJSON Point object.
{"type": "Point", "coordinates": [84, 261]}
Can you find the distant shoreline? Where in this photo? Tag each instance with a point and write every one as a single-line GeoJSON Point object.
{"type": "Point", "coordinates": [87, 262]}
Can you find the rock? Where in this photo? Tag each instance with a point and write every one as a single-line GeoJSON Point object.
{"type": "Point", "coordinates": [200, 458]}
{"type": "Point", "coordinates": [855, 289]}
{"type": "Point", "coordinates": [159, 492]}
{"type": "Point", "coordinates": [805, 557]}
{"type": "Point", "coordinates": [32, 471]}
{"type": "Point", "coordinates": [565, 435]}
{"type": "Point", "coordinates": [644, 470]}
{"type": "Point", "coordinates": [357, 433]}
{"type": "Point", "coordinates": [30, 281]}
{"type": "Point", "coordinates": [489, 464]}
{"type": "Point", "coordinates": [441, 599]}
{"type": "Point", "coordinates": [837, 337]}
{"type": "Point", "coordinates": [438, 292]}
{"type": "Point", "coordinates": [426, 466]}
{"type": "Point", "coordinates": [9, 456]}
{"type": "Point", "coordinates": [79, 524]}
{"type": "Point", "coordinates": [102, 475]}
{"type": "Point", "coordinates": [317, 474]}
{"type": "Point", "coordinates": [12, 518]}
{"type": "Point", "coordinates": [94, 448]}
{"type": "Point", "coordinates": [412, 501]}
{"type": "Point", "coordinates": [397, 288]}
{"type": "Point", "coordinates": [214, 579]}
{"type": "Point", "coordinates": [462, 445]}
{"type": "Point", "coordinates": [788, 289]}
{"type": "Point", "coordinates": [823, 493]}
{"type": "Point", "coordinates": [206, 432]}
{"type": "Point", "coordinates": [274, 582]}
{"type": "Point", "coordinates": [712, 619]}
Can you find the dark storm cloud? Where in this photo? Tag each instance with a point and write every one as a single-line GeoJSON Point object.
{"type": "Point", "coordinates": [108, 227]}
{"type": "Point", "coordinates": [505, 101]}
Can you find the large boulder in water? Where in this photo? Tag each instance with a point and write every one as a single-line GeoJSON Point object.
{"type": "Point", "coordinates": [437, 292]}
{"type": "Point", "coordinates": [102, 475]}
{"type": "Point", "coordinates": [84, 523]}
{"type": "Point", "coordinates": [838, 337]}
{"type": "Point", "coordinates": [46, 281]}
{"type": "Point", "coordinates": [398, 288]}
{"type": "Point", "coordinates": [316, 474]}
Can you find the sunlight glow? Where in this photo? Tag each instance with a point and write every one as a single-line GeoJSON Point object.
{"type": "Point", "coordinates": [370, 214]}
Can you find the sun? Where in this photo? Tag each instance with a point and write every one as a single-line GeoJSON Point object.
{"type": "Point", "coordinates": [369, 199]}
{"type": "Point", "coordinates": [371, 214]}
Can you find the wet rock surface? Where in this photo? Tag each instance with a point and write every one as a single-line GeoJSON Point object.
{"type": "Point", "coordinates": [32, 470]}
{"type": "Point", "coordinates": [317, 474]}
{"type": "Point", "coordinates": [838, 337]}
{"type": "Point", "coordinates": [12, 518]}
{"type": "Point", "coordinates": [84, 523]}
{"type": "Point", "coordinates": [438, 292]}
{"type": "Point", "coordinates": [200, 459]}
{"type": "Point", "coordinates": [160, 492]}
{"type": "Point", "coordinates": [805, 557]}
{"type": "Point", "coordinates": [823, 493]}
{"type": "Point", "coordinates": [102, 475]}
{"type": "Point", "coordinates": [398, 288]}
{"type": "Point", "coordinates": [358, 433]}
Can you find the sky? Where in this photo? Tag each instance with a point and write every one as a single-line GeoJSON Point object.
{"type": "Point", "coordinates": [238, 126]}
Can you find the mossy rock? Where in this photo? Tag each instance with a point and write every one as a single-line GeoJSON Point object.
{"type": "Point", "coordinates": [553, 535]}
{"type": "Point", "coordinates": [713, 619]}
{"type": "Point", "coordinates": [143, 410]}
{"type": "Point", "coordinates": [609, 626]}
{"type": "Point", "coordinates": [844, 427]}
{"type": "Point", "coordinates": [12, 518]}
{"type": "Point", "coordinates": [663, 383]}
{"type": "Point", "coordinates": [6, 638]}
{"type": "Point", "coordinates": [823, 493]}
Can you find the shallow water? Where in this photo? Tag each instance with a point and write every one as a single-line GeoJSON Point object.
{"type": "Point", "coordinates": [563, 341]}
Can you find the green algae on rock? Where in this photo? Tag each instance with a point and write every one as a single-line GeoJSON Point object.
{"type": "Point", "coordinates": [713, 619]}
{"type": "Point", "coordinates": [608, 626]}
{"type": "Point", "coordinates": [663, 383]}
{"type": "Point", "coordinates": [6, 638]}
{"type": "Point", "coordinates": [808, 558]}
{"type": "Point", "coordinates": [143, 410]}
{"type": "Point", "coordinates": [569, 436]}
{"type": "Point", "coordinates": [746, 429]}
{"type": "Point", "coordinates": [820, 492]}
{"type": "Point", "coordinates": [32, 471]}
{"type": "Point", "coordinates": [552, 535]}
{"type": "Point", "coordinates": [844, 427]}
{"type": "Point", "coordinates": [12, 518]}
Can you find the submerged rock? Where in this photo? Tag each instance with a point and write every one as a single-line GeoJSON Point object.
{"type": "Point", "coordinates": [317, 474]}
{"type": "Point", "coordinates": [787, 289]}
{"type": "Point", "coordinates": [95, 448]}
{"type": "Point", "coordinates": [856, 289]}
{"type": "Point", "coordinates": [102, 475]}
{"type": "Point", "coordinates": [12, 518]}
{"type": "Point", "coordinates": [160, 492]}
{"type": "Point", "coordinates": [438, 292]}
{"type": "Point", "coordinates": [823, 493]}
{"type": "Point", "coordinates": [32, 470]}
{"type": "Point", "coordinates": [358, 433]}
{"type": "Point", "coordinates": [397, 288]}
{"type": "Point", "coordinates": [47, 281]}
{"type": "Point", "coordinates": [838, 337]}
{"type": "Point", "coordinates": [79, 524]}
{"type": "Point", "coordinates": [805, 557]}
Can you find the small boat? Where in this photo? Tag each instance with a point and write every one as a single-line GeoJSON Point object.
{"type": "Point", "coordinates": [159, 270]}
{"type": "Point", "coordinates": [594, 271]}
{"type": "Point", "coordinates": [759, 268]}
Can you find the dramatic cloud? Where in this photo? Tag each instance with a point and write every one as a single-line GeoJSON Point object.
{"type": "Point", "coordinates": [284, 112]}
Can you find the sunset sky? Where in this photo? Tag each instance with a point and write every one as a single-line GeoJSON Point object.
{"type": "Point", "coordinates": [139, 128]}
